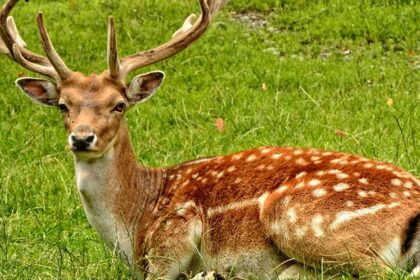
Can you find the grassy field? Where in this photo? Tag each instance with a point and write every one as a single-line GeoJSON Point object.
{"type": "Point", "coordinates": [337, 74]}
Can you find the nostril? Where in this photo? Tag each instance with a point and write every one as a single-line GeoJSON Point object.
{"type": "Point", "coordinates": [90, 139]}
{"type": "Point", "coordinates": [81, 142]}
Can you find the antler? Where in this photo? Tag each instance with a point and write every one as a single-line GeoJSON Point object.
{"type": "Point", "coordinates": [14, 47]}
{"type": "Point", "coordinates": [181, 39]}
{"type": "Point", "coordinates": [53, 66]}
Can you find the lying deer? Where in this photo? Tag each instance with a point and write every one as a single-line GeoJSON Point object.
{"type": "Point", "coordinates": [265, 212]}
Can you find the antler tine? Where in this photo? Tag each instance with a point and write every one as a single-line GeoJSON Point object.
{"type": "Point", "coordinates": [8, 36]}
{"type": "Point", "coordinates": [63, 71]}
{"type": "Point", "coordinates": [14, 32]}
{"type": "Point", "coordinates": [37, 68]}
{"type": "Point", "coordinates": [4, 31]}
{"type": "Point", "coordinates": [188, 23]}
{"type": "Point", "coordinates": [113, 61]}
{"type": "Point", "coordinates": [179, 42]}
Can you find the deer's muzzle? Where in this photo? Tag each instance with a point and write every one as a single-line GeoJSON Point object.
{"type": "Point", "coordinates": [82, 138]}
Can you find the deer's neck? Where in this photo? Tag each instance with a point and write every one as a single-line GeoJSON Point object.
{"type": "Point", "coordinates": [118, 195]}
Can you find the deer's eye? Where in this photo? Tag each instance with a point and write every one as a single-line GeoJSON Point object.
{"type": "Point", "coordinates": [120, 107]}
{"type": "Point", "coordinates": [63, 108]}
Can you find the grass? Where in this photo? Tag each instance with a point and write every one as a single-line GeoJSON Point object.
{"type": "Point", "coordinates": [334, 74]}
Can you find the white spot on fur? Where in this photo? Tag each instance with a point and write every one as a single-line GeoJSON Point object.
{"type": "Point", "coordinates": [363, 181]}
{"type": "Point", "coordinates": [408, 184]}
{"type": "Point", "coordinates": [262, 198]}
{"type": "Point", "coordinates": [288, 157]}
{"type": "Point", "coordinates": [182, 209]}
{"type": "Point", "coordinates": [286, 200]}
{"type": "Point", "coordinates": [265, 150]}
{"type": "Point", "coordinates": [314, 182]}
{"type": "Point", "coordinates": [315, 158]}
{"type": "Point", "coordinates": [371, 193]}
{"type": "Point", "coordinates": [195, 175]}
{"type": "Point", "coordinates": [333, 171]}
{"type": "Point", "coordinates": [319, 192]}
{"type": "Point", "coordinates": [346, 216]}
{"type": "Point", "coordinates": [189, 170]}
{"type": "Point", "coordinates": [233, 206]}
{"type": "Point", "coordinates": [291, 214]}
{"type": "Point", "coordinates": [320, 173]}
{"type": "Point", "coordinates": [261, 167]}
{"type": "Point", "coordinates": [342, 176]}
{"type": "Point", "coordinates": [281, 189]}
{"type": "Point", "coordinates": [362, 194]}
{"type": "Point", "coordinates": [276, 156]}
{"type": "Point", "coordinates": [406, 194]}
{"type": "Point", "coordinates": [335, 161]}
{"type": "Point", "coordinates": [368, 165]}
{"type": "Point", "coordinates": [349, 203]}
{"type": "Point", "coordinates": [393, 204]}
{"type": "Point", "coordinates": [380, 167]}
{"type": "Point", "coordinates": [301, 231]}
{"type": "Point", "coordinates": [341, 187]}
{"type": "Point", "coordinates": [237, 156]}
{"type": "Point", "coordinates": [186, 182]}
{"type": "Point", "coordinates": [251, 157]}
{"type": "Point", "coordinates": [237, 180]}
{"type": "Point", "coordinates": [302, 161]}
{"type": "Point", "coordinates": [220, 175]}
{"type": "Point", "coordinates": [201, 160]}
{"type": "Point", "coordinates": [327, 153]}
{"type": "Point", "coordinates": [297, 152]}
{"type": "Point", "coordinates": [280, 227]}
{"type": "Point", "coordinates": [356, 174]}
{"type": "Point", "coordinates": [396, 182]}
{"type": "Point", "coordinates": [316, 225]}
{"type": "Point", "coordinates": [231, 168]}
{"type": "Point", "coordinates": [301, 174]}
{"type": "Point", "coordinates": [393, 195]}
{"type": "Point", "coordinates": [300, 185]}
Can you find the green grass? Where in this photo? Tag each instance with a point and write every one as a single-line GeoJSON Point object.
{"type": "Point", "coordinates": [328, 66]}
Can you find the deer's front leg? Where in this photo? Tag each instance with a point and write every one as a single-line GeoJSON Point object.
{"type": "Point", "coordinates": [173, 246]}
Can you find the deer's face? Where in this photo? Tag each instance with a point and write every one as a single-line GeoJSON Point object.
{"type": "Point", "coordinates": [92, 107]}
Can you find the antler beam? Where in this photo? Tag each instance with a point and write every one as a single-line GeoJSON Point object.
{"type": "Point", "coordinates": [182, 38]}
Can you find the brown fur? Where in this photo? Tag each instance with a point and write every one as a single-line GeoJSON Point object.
{"type": "Point", "coordinates": [210, 187]}
{"type": "Point", "coordinates": [249, 212]}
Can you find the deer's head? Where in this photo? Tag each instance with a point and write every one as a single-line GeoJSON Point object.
{"type": "Point", "coordinates": [93, 106]}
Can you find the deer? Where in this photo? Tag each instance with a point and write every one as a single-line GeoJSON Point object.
{"type": "Point", "coordinates": [268, 212]}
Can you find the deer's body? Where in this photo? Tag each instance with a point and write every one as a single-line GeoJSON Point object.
{"type": "Point", "coordinates": [253, 211]}
{"type": "Point", "coordinates": [263, 212]}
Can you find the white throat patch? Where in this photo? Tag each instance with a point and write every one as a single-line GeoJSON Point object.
{"type": "Point", "coordinates": [96, 182]}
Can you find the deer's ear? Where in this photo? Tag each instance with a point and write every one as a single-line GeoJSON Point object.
{"type": "Point", "coordinates": [39, 90]}
{"type": "Point", "coordinates": [143, 86]}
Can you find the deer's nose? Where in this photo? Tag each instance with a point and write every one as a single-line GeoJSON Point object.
{"type": "Point", "coordinates": [82, 138]}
